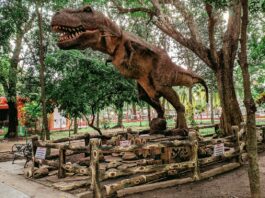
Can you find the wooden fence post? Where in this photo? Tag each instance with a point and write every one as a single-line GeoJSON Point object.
{"type": "Point", "coordinates": [194, 158]}
{"type": "Point", "coordinates": [61, 171]}
{"type": "Point", "coordinates": [94, 166]}
{"type": "Point", "coordinates": [87, 138]}
{"type": "Point", "coordinates": [34, 140]}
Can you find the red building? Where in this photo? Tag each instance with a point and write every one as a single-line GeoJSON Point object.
{"type": "Point", "coordinates": [4, 110]}
{"type": "Point", "coordinates": [55, 120]}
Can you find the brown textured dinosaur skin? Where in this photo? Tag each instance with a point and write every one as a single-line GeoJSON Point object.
{"type": "Point", "coordinates": [149, 65]}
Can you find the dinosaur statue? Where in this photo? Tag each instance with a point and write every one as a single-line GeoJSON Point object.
{"type": "Point", "coordinates": [149, 65]}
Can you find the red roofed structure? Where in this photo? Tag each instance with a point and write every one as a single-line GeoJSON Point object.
{"type": "Point", "coordinates": [3, 103]}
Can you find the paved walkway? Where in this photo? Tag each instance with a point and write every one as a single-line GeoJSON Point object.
{"type": "Point", "coordinates": [14, 185]}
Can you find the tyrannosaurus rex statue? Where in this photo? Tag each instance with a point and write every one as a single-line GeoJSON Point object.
{"type": "Point", "coordinates": [149, 65]}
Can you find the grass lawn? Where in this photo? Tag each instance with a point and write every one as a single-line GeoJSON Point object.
{"type": "Point", "coordinates": [138, 125]}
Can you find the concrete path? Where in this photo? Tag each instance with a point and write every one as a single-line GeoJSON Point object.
{"type": "Point", "coordinates": [14, 185]}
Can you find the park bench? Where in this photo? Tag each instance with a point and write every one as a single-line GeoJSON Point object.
{"type": "Point", "coordinates": [22, 150]}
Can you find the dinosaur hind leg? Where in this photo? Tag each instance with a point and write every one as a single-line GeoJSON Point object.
{"type": "Point", "coordinates": [173, 98]}
{"type": "Point", "coordinates": [154, 102]}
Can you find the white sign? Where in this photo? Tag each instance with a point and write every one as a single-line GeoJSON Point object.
{"type": "Point", "coordinates": [41, 153]}
{"type": "Point", "coordinates": [125, 143]}
{"type": "Point", "coordinates": [219, 149]}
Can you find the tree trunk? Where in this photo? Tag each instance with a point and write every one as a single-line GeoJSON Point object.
{"type": "Point", "coordinates": [253, 169]}
{"type": "Point", "coordinates": [120, 117]}
{"type": "Point", "coordinates": [221, 61]}
{"type": "Point", "coordinates": [211, 105]}
{"type": "Point", "coordinates": [190, 95]}
{"type": "Point", "coordinates": [191, 105]}
{"type": "Point", "coordinates": [75, 125]}
{"type": "Point", "coordinates": [97, 121]}
{"type": "Point", "coordinates": [12, 89]}
{"type": "Point", "coordinates": [134, 111]}
{"type": "Point", "coordinates": [149, 113]}
{"type": "Point", "coordinates": [45, 129]}
{"type": "Point", "coordinates": [231, 114]}
{"type": "Point", "coordinates": [13, 121]}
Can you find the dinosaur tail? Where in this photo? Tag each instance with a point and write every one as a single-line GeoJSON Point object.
{"type": "Point", "coordinates": [203, 83]}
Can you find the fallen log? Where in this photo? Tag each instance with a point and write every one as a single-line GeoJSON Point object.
{"type": "Point", "coordinates": [40, 172]}
{"type": "Point", "coordinates": [227, 140]}
{"type": "Point", "coordinates": [219, 170]}
{"type": "Point", "coordinates": [227, 155]}
{"type": "Point", "coordinates": [28, 172]}
{"type": "Point", "coordinates": [170, 183]}
{"type": "Point", "coordinates": [56, 156]}
{"type": "Point", "coordinates": [113, 173]}
{"type": "Point", "coordinates": [175, 143]}
{"type": "Point", "coordinates": [62, 146]}
{"type": "Point", "coordinates": [154, 186]}
{"type": "Point", "coordinates": [52, 163]}
{"type": "Point", "coordinates": [135, 181]}
{"type": "Point", "coordinates": [68, 139]}
{"type": "Point", "coordinates": [67, 186]}
{"type": "Point", "coordinates": [84, 161]}
{"type": "Point", "coordinates": [76, 168]}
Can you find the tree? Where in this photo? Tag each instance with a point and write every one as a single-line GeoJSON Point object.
{"type": "Point", "coordinates": [253, 171]}
{"type": "Point", "coordinates": [32, 111]}
{"type": "Point", "coordinates": [223, 46]}
{"type": "Point", "coordinates": [45, 134]}
{"type": "Point", "coordinates": [16, 20]}
{"type": "Point", "coordinates": [82, 86]}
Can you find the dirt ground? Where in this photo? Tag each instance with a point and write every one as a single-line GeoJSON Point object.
{"type": "Point", "coordinates": [233, 184]}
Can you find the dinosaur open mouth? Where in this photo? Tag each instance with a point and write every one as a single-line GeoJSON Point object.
{"type": "Point", "coordinates": [68, 33]}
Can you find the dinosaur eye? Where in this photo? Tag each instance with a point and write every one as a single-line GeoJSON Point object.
{"type": "Point", "coordinates": [88, 9]}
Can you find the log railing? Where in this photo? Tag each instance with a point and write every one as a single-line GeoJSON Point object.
{"type": "Point", "coordinates": [62, 145]}
{"type": "Point", "coordinates": [160, 171]}
{"type": "Point", "coordinates": [149, 171]}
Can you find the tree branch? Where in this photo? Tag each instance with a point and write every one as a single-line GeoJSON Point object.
{"type": "Point", "coordinates": [231, 36]}
{"type": "Point", "coordinates": [91, 124]}
{"type": "Point", "coordinates": [189, 20]}
{"type": "Point", "coordinates": [211, 31]}
{"type": "Point", "coordinates": [28, 25]}
{"type": "Point", "coordinates": [162, 22]}
{"type": "Point", "coordinates": [31, 50]}
{"type": "Point", "coordinates": [123, 10]}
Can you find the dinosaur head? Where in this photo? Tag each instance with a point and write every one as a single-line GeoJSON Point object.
{"type": "Point", "coordinates": [82, 28]}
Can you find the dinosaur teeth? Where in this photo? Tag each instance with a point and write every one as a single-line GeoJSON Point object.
{"type": "Point", "coordinates": [68, 33]}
